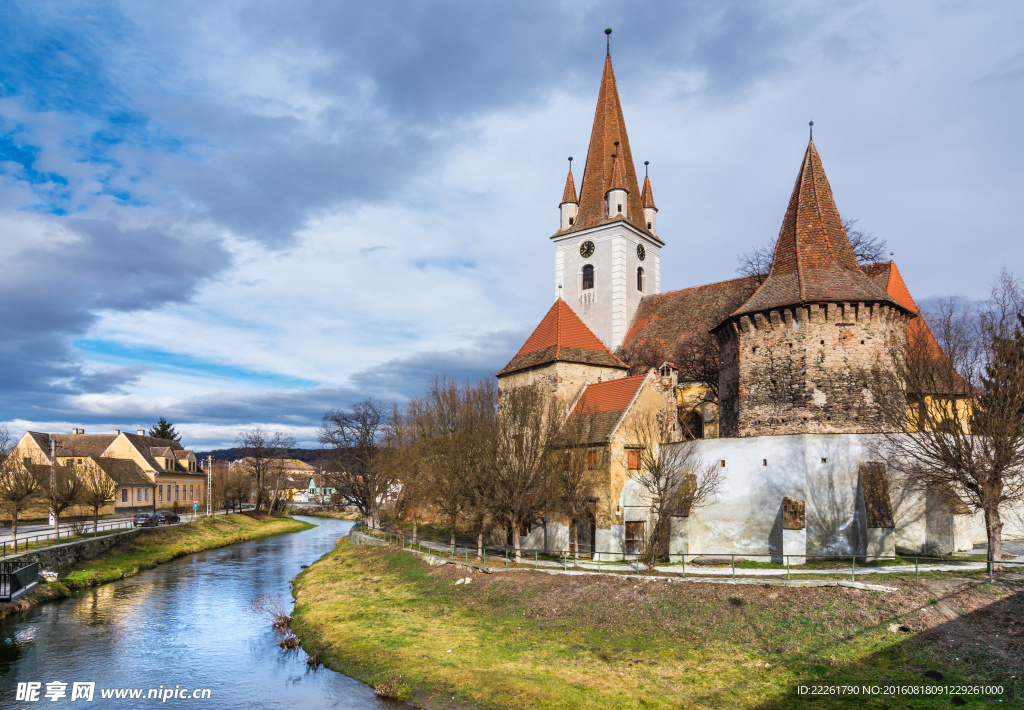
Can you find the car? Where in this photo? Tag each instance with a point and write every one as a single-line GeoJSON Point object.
{"type": "Point", "coordinates": [145, 520]}
{"type": "Point", "coordinates": [167, 517]}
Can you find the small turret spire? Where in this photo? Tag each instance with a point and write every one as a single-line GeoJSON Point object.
{"type": "Point", "coordinates": [569, 194]}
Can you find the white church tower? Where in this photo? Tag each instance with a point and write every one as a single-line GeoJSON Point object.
{"type": "Point", "coordinates": [607, 250]}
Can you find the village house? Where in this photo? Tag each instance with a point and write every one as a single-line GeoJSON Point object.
{"type": "Point", "coordinates": [780, 409]}
{"type": "Point", "coordinates": [151, 474]}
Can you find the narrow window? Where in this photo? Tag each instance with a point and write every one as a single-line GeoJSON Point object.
{"type": "Point", "coordinates": [160, 491]}
{"type": "Point", "coordinates": [592, 459]}
{"type": "Point", "coordinates": [640, 278]}
{"type": "Point", "coordinates": [620, 209]}
{"type": "Point", "coordinates": [124, 495]}
{"type": "Point", "coordinates": [571, 220]}
{"type": "Point", "coordinates": [633, 459]}
{"type": "Point", "coordinates": [648, 225]}
{"type": "Point", "coordinates": [147, 495]}
{"type": "Point", "coordinates": [588, 277]}
{"type": "Point", "coordinates": [176, 496]}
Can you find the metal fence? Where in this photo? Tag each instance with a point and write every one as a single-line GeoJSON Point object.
{"type": "Point", "coordinates": [16, 578]}
{"type": "Point", "coordinates": [33, 542]}
{"type": "Point", "coordinates": [692, 564]}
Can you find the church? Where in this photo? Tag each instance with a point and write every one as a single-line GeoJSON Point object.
{"type": "Point", "coordinates": [760, 373]}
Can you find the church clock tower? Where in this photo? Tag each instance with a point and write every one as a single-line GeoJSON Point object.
{"type": "Point", "coordinates": [607, 250]}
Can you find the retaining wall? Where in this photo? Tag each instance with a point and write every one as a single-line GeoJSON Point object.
{"type": "Point", "coordinates": [64, 556]}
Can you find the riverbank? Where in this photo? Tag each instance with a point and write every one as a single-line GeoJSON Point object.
{"type": "Point", "coordinates": [314, 512]}
{"type": "Point", "coordinates": [153, 546]}
{"type": "Point", "coordinates": [530, 639]}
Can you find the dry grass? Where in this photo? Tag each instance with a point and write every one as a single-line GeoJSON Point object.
{"type": "Point", "coordinates": [533, 640]}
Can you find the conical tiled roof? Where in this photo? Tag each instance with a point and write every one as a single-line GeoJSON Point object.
{"type": "Point", "coordinates": [813, 261]}
{"type": "Point", "coordinates": [618, 181]}
{"type": "Point", "coordinates": [647, 198]}
{"type": "Point", "coordinates": [561, 335]}
{"type": "Point", "coordinates": [569, 194]}
{"type": "Point", "coordinates": [609, 126]}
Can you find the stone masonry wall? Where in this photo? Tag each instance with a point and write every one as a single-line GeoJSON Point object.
{"type": "Point", "coordinates": [803, 370]}
{"type": "Point", "coordinates": [65, 556]}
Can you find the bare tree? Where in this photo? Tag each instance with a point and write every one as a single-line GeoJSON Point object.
{"type": "Point", "coordinates": [577, 458]}
{"type": "Point", "coordinates": [951, 408]}
{"type": "Point", "coordinates": [671, 472]}
{"type": "Point", "coordinates": [528, 420]}
{"type": "Point", "coordinates": [263, 452]}
{"type": "Point", "coordinates": [355, 440]}
{"type": "Point", "coordinates": [97, 489]}
{"type": "Point", "coordinates": [62, 488]}
{"type": "Point", "coordinates": [18, 488]}
{"type": "Point", "coordinates": [866, 247]}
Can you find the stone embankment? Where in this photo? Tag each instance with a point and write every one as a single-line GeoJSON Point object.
{"type": "Point", "coordinates": [66, 555]}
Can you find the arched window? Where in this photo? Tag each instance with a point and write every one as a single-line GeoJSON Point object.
{"type": "Point", "coordinates": [639, 278]}
{"type": "Point", "coordinates": [693, 426]}
{"type": "Point", "coordinates": [588, 276]}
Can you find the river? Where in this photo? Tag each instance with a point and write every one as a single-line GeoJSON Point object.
{"type": "Point", "coordinates": [183, 624]}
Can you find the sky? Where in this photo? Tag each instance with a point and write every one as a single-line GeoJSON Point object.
{"type": "Point", "coordinates": [242, 214]}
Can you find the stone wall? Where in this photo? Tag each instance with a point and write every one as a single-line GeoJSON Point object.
{"type": "Point", "coordinates": [565, 379]}
{"type": "Point", "coordinates": [803, 370]}
{"type": "Point", "coordinates": [63, 557]}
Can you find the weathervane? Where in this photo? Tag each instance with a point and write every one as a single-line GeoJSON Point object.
{"type": "Point", "coordinates": [608, 40]}
{"type": "Point", "coordinates": [811, 124]}
{"type": "Point", "coordinates": [646, 163]}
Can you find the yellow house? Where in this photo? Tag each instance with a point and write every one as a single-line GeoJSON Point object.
{"type": "Point", "coordinates": [152, 474]}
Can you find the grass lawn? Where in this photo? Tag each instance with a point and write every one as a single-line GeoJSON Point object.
{"type": "Point", "coordinates": [532, 640]}
{"type": "Point", "coordinates": [154, 546]}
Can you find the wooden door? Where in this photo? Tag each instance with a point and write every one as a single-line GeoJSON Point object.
{"type": "Point", "coordinates": [634, 537]}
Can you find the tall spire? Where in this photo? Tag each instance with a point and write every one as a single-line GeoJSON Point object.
{"type": "Point", "coordinates": [609, 127]}
{"type": "Point", "coordinates": [813, 260]}
{"type": "Point", "coordinates": [569, 193]}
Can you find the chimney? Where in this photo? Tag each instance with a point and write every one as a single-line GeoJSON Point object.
{"type": "Point", "coordinates": [141, 432]}
{"type": "Point", "coordinates": [117, 431]}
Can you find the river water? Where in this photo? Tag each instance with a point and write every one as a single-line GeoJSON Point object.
{"type": "Point", "coordinates": [185, 623]}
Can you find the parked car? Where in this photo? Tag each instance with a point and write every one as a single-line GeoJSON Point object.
{"type": "Point", "coordinates": [167, 517]}
{"type": "Point", "coordinates": [145, 520]}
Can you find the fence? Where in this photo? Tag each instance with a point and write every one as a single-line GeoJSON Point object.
{"type": "Point", "coordinates": [33, 542]}
{"type": "Point", "coordinates": [694, 564]}
{"type": "Point", "coordinates": [16, 578]}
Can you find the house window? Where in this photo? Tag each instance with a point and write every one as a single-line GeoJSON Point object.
{"type": "Point", "coordinates": [191, 493]}
{"type": "Point", "coordinates": [593, 457]}
{"type": "Point", "coordinates": [588, 276]}
{"type": "Point", "coordinates": [640, 278]}
{"type": "Point", "coordinates": [176, 496]}
{"type": "Point", "coordinates": [160, 491]}
{"type": "Point", "coordinates": [138, 494]}
{"type": "Point", "coordinates": [633, 459]}
{"type": "Point", "coordinates": [147, 495]}
{"type": "Point", "coordinates": [124, 495]}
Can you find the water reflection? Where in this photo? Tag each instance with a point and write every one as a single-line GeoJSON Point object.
{"type": "Point", "coordinates": [185, 623]}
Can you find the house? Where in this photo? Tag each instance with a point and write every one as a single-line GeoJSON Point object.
{"type": "Point", "coordinates": [151, 473]}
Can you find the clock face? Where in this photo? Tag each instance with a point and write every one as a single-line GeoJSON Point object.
{"type": "Point", "coordinates": [587, 249]}
{"type": "Point", "coordinates": [640, 252]}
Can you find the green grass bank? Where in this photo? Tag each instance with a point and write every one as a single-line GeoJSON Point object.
{"type": "Point", "coordinates": [528, 639]}
{"type": "Point", "coordinates": [153, 546]}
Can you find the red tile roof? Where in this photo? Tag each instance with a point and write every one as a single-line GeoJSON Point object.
{"type": "Point", "coordinates": [561, 335]}
{"type": "Point", "coordinates": [647, 198]}
{"type": "Point", "coordinates": [813, 260]}
{"type": "Point", "coordinates": [569, 194]}
{"type": "Point", "coordinates": [610, 396]}
{"type": "Point", "coordinates": [886, 275]}
{"type": "Point", "coordinates": [666, 320]}
{"type": "Point", "coordinates": [609, 126]}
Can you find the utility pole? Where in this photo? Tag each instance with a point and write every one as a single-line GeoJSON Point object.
{"type": "Point", "coordinates": [209, 484]}
{"type": "Point", "coordinates": [53, 462]}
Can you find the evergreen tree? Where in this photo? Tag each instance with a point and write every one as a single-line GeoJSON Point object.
{"type": "Point", "coordinates": [164, 430]}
